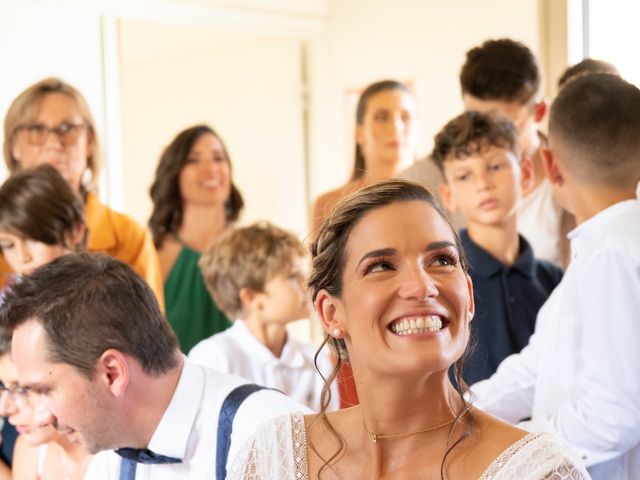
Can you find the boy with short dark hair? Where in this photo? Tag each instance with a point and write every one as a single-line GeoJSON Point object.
{"type": "Point", "coordinates": [503, 76]}
{"type": "Point", "coordinates": [578, 377]}
{"type": "Point", "coordinates": [255, 274]}
{"type": "Point", "coordinates": [478, 156]}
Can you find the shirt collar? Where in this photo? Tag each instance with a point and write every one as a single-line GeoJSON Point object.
{"type": "Point", "coordinates": [291, 355]}
{"type": "Point", "coordinates": [484, 264]}
{"type": "Point", "coordinates": [172, 433]}
{"type": "Point", "coordinates": [598, 223]}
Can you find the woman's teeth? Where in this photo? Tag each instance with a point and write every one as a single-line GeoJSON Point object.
{"type": "Point", "coordinates": [432, 323]}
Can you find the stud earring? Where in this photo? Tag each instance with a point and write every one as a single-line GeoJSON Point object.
{"type": "Point", "coordinates": [336, 332]}
{"type": "Point", "coordinates": [469, 316]}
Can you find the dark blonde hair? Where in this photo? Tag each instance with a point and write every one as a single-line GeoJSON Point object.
{"type": "Point", "coordinates": [328, 253]}
{"type": "Point", "coordinates": [39, 204]}
{"type": "Point", "coordinates": [23, 108]}
{"type": "Point", "coordinates": [166, 216]}
{"type": "Point", "coordinates": [247, 257]}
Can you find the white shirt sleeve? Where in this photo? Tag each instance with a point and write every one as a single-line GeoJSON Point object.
{"type": "Point", "coordinates": [603, 419]}
{"type": "Point", "coordinates": [508, 394]}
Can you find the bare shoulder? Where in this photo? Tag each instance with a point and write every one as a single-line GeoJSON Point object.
{"type": "Point", "coordinates": [167, 255]}
{"type": "Point", "coordinates": [325, 203]}
{"type": "Point", "coordinates": [489, 438]}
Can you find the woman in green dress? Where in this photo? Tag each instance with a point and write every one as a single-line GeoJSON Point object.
{"type": "Point", "coordinates": [194, 200]}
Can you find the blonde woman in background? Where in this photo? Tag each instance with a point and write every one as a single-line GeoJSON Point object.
{"type": "Point", "coordinates": [50, 122]}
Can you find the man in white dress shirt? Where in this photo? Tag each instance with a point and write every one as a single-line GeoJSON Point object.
{"type": "Point", "coordinates": [579, 376]}
{"type": "Point", "coordinates": [102, 365]}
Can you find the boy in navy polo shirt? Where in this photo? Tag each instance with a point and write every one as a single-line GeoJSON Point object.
{"type": "Point", "coordinates": [478, 155]}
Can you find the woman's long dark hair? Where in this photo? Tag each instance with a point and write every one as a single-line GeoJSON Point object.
{"type": "Point", "coordinates": [360, 165]}
{"type": "Point", "coordinates": [328, 254]}
{"type": "Point", "coordinates": [166, 217]}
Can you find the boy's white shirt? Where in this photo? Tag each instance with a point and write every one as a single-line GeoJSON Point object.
{"type": "Point", "coordinates": [239, 352]}
{"type": "Point", "coordinates": [539, 221]}
{"type": "Point", "coordinates": [578, 378]}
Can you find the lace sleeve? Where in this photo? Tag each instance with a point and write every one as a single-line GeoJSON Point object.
{"type": "Point", "coordinates": [536, 457]}
{"type": "Point", "coordinates": [278, 450]}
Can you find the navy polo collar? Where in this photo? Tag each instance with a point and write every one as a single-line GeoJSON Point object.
{"type": "Point", "coordinates": [486, 265]}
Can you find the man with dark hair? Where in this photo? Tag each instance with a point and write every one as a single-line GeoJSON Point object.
{"type": "Point", "coordinates": [94, 352]}
{"type": "Point", "coordinates": [578, 377]}
{"type": "Point", "coordinates": [585, 67]}
{"type": "Point", "coordinates": [503, 76]}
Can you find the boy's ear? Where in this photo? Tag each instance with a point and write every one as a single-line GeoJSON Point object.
{"type": "Point", "coordinates": [527, 174]}
{"type": "Point", "coordinates": [551, 168]}
{"type": "Point", "coordinates": [328, 311]}
{"type": "Point", "coordinates": [448, 198]}
{"type": "Point", "coordinates": [540, 110]}
{"type": "Point", "coordinates": [248, 297]}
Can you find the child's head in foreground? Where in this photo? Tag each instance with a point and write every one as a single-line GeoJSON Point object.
{"type": "Point", "coordinates": [41, 218]}
{"type": "Point", "coordinates": [258, 273]}
{"type": "Point", "coordinates": [594, 137]}
{"type": "Point", "coordinates": [478, 156]}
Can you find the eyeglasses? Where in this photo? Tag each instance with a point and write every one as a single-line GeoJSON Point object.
{"type": "Point", "coordinates": [67, 133]}
{"type": "Point", "coordinates": [18, 395]}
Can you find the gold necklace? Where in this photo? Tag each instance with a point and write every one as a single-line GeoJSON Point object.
{"type": "Point", "coordinates": [375, 437]}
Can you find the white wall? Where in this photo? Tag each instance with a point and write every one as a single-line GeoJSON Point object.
{"type": "Point", "coordinates": [248, 89]}
{"type": "Point", "coordinates": [38, 41]}
{"type": "Point", "coordinates": [421, 41]}
{"type": "Point", "coordinates": [617, 45]}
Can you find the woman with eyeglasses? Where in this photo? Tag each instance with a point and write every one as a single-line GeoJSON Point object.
{"type": "Point", "coordinates": [50, 122]}
{"type": "Point", "coordinates": [40, 452]}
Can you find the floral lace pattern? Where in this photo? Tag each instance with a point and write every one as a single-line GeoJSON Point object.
{"type": "Point", "coordinates": [535, 456]}
{"type": "Point", "coordinates": [278, 450]}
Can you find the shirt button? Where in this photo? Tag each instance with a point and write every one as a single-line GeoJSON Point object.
{"type": "Point", "coordinates": [512, 299]}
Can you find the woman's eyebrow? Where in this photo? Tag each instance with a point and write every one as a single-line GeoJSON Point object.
{"type": "Point", "coordinates": [440, 245]}
{"type": "Point", "coordinates": [381, 252]}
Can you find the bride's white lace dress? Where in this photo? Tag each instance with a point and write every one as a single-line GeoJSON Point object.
{"type": "Point", "coordinates": [279, 451]}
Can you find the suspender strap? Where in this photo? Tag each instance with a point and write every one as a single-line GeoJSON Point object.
{"type": "Point", "coordinates": [225, 424]}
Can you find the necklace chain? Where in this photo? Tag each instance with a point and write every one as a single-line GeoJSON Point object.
{"type": "Point", "coordinates": [375, 436]}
